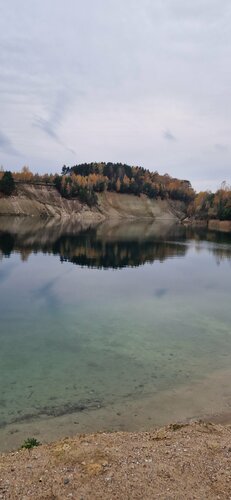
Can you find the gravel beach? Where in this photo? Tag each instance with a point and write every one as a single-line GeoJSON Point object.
{"type": "Point", "coordinates": [179, 461]}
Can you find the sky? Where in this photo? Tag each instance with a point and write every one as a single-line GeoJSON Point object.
{"type": "Point", "coordinates": [142, 82]}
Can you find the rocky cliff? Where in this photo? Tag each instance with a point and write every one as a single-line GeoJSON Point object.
{"type": "Point", "coordinates": [45, 201]}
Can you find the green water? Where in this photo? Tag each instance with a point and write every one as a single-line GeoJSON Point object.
{"type": "Point", "coordinates": [95, 318]}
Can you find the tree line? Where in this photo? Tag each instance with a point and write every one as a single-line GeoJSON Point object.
{"type": "Point", "coordinates": [9, 180]}
{"type": "Point", "coordinates": [86, 179]}
{"type": "Point", "coordinates": [207, 205]}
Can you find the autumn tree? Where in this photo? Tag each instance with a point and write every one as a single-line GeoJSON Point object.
{"type": "Point", "coordinates": [121, 178]}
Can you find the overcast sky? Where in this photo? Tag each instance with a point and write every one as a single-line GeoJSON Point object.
{"type": "Point", "coordinates": [144, 82]}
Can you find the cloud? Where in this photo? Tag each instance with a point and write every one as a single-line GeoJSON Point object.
{"type": "Point", "coordinates": [46, 126]}
{"type": "Point", "coordinates": [221, 147]}
{"type": "Point", "coordinates": [55, 112]}
{"type": "Point", "coordinates": [6, 146]}
{"type": "Point", "coordinates": [68, 79]}
{"type": "Point", "coordinates": [168, 135]}
{"type": "Point", "coordinates": [56, 115]}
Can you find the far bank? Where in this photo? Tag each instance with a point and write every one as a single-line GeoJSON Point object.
{"type": "Point", "coordinates": [45, 201]}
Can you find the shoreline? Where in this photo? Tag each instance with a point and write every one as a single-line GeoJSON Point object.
{"type": "Point", "coordinates": [31, 429]}
{"type": "Point", "coordinates": [221, 226]}
{"type": "Point", "coordinates": [206, 399]}
{"type": "Point", "coordinates": [132, 416]}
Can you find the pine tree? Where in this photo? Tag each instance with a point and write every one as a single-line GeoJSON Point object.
{"type": "Point", "coordinates": [7, 184]}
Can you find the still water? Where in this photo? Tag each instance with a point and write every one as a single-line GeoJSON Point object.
{"type": "Point", "coordinates": [118, 326]}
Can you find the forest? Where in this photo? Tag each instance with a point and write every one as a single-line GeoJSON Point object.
{"type": "Point", "coordinates": [207, 205]}
{"type": "Point", "coordinates": [85, 180]}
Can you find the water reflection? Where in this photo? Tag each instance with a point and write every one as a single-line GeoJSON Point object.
{"type": "Point", "coordinates": [133, 348]}
{"type": "Point", "coordinates": [116, 244]}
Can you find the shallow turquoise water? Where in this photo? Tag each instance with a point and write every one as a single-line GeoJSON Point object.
{"type": "Point", "coordinates": [91, 319]}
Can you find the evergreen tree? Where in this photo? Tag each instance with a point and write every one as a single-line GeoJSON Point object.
{"type": "Point", "coordinates": [7, 184]}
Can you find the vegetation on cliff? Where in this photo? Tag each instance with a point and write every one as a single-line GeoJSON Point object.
{"type": "Point", "coordinates": [88, 178]}
{"type": "Point", "coordinates": [208, 205]}
{"type": "Point", "coordinates": [7, 184]}
{"type": "Point", "coordinates": [85, 180]}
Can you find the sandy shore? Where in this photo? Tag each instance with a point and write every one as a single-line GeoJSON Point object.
{"type": "Point", "coordinates": [207, 399]}
{"type": "Point", "coordinates": [191, 461]}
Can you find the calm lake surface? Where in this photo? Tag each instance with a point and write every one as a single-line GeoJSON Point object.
{"type": "Point", "coordinates": [119, 326]}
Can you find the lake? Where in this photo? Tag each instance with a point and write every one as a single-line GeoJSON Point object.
{"type": "Point", "coordinates": [117, 326]}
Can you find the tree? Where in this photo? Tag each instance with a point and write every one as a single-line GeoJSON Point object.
{"type": "Point", "coordinates": [65, 170]}
{"type": "Point", "coordinates": [7, 184]}
{"type": "Point", "coordinates": [26, 174]}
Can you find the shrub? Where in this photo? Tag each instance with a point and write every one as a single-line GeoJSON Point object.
{"type": "Point", "coordinates": [30, 443]}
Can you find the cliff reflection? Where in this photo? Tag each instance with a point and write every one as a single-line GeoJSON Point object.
{"type": "Point", "coordinates": [115, 245]}
{"type": "Point", "coordinates": [104, 245]}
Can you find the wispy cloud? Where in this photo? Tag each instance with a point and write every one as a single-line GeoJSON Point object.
{"type": "Point", "coordinates": [46, 126]}
{"type": "Point", "coordinates": [6, 145]}
{"type": "Point", "coordinates": [56, 115]}
{"type": "Point", "coordinates": [168, 135]}
{"type": "Point", "coordinates": [63, 86]}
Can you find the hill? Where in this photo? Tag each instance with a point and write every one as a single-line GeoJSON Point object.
{"type": "Point", "coordinates": [44, 200]}
{"type": "Point", "coordinates": [88, 178]}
